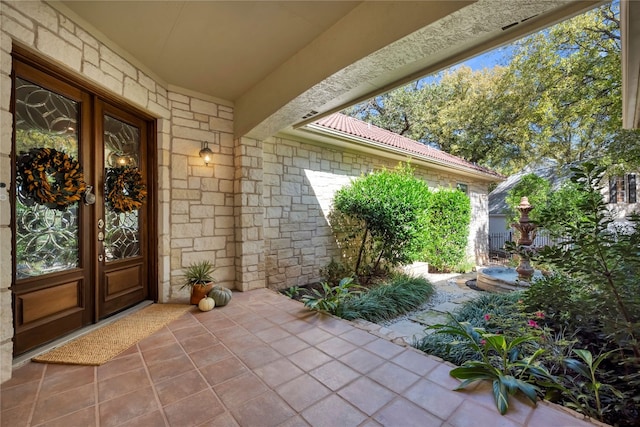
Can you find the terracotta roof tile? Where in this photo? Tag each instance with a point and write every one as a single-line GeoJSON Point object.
{"type": "Point", "coordinates": [354, 127]}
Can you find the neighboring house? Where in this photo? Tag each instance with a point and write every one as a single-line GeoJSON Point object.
{"type": "Point", "coordinates": [150, 85]}
{"type": "Point", "coordinates": [620, 195]}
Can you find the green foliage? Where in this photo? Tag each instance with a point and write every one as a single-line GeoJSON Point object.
{"type": "Point", "coordinates": [565, 202]}
{"type": "Point", "coordinates": [198, 273]}
{"type": "Point", "coordinates": [558, 96]}
{"type": "Point", "coordinates": [501, 362]}
{"type": "Point", "coordinates": [386, 213]}
{"type": "Point", "coordinates": [604, 258]}
{"type": "Point", "coordinates": [292, 292]}
{"type": "Point", "coordinates": [335, 271]}
{"type": "Point", "coordinates": [535, 188]}
{"type": "Point", "coordinates": [586, 393]}
{"type": "Point", "coordinates": [331, 298]}
{"type": "Point", "coordinates": [447, 230]}
{"type": "Point", "coordinates": [387, 301]}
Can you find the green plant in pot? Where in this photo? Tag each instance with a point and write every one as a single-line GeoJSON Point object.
{"type": "Point", "coordinates": [198, 276]}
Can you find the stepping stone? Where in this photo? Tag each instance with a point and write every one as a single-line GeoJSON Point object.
{"type": "Point", "coordinates": [429, 318]}
{"type": "Point", "coordinates": [407, 329]}
{"type": "Point", "coordinates": [446, 307]}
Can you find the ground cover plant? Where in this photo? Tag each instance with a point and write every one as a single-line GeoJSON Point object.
{"type": "Point", "coordinates": [578, 326]}
{"type": "Point", "coordinates": [384, 300]}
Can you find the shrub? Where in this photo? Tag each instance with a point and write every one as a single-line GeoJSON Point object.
{"type": "Point", "coordinates": [389, 300]}
{"type": "Point", "coordinates": [447, 230]}
{"type": "Point", "coordinates": [535, 188]}
{"type": "Point", "coordinates": [385, 214]}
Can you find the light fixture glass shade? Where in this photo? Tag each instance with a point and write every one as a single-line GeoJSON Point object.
{"type": "Point", "coordinates": [206, 154]}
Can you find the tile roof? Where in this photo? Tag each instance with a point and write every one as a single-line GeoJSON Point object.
{"type": "Point", "coordinates": [351, 126]}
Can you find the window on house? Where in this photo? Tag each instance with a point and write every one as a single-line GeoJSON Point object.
{"type": "Point", "coordinates": [463, 187]}
{"type": "Point", "coordinates": [622, 189]}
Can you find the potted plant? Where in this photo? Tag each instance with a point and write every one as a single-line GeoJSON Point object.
{"type": "Point", "coordinates": [198, 276]}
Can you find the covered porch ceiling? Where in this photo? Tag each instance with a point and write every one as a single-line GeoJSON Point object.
{"type": "Point", "coordinates": [283, 63]}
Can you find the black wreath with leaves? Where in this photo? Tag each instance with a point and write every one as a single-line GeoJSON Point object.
{"type": "Point", "coordinates": [50, 178]}
{"type": "Point", "coordinates": [125, 191]}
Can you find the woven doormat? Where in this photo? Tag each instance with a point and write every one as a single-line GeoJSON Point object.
{"type": "Point", "coordinates": [103, 344]}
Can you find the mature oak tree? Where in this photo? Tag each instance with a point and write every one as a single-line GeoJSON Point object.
{"type": "Point", "coordinates": [558, 96]}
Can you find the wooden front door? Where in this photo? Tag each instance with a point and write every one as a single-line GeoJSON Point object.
{"type": "Point", "coordinates": [75, 261]}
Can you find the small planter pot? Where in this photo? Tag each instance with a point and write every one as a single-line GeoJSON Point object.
{"type": "Point", "coordinates": [200, 291]}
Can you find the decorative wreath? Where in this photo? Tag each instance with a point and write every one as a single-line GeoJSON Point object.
{"type": "Point", "coordinates": [124, 189]}
{"type": "Point", "coordinates": [51, 178]}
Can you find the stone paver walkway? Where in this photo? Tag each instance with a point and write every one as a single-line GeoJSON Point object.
{"type": "Point", "coordinates": [263, 360]}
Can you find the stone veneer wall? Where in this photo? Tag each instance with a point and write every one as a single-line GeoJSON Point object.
{"type": "Point", "coordinates": [300, 179]}
{"type": "Point", "coordinates": [196, 203]}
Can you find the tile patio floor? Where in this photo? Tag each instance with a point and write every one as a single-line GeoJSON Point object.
{"type": "Point", "coordinates": [263, 360]}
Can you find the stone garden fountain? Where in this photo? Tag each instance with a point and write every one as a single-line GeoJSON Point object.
{"type": "Point", "coordinates": [505, 279]}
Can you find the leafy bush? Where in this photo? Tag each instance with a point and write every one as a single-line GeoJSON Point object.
{"type": "Point", "coordinates": [535, 188]}
{"type": "Point", "coordinates": [389, 300]}
{"type": "Point", "coordinates": [387, 210]}
{"type": "Point", "coordinates": [332, 298]}
{"type": "Point", "coordinates": [447, 230]}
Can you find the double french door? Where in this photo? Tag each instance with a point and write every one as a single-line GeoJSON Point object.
{"type": "Point", "coordinates": [81, 208]}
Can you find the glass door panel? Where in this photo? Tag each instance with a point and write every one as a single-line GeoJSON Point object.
{"type": "Point", "coordinates": [122, 222]}
{"type": "Point", "coordinates": [46, 143]}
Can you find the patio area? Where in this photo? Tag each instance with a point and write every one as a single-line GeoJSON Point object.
{"type": "Point", "coordinates": [263, 360]}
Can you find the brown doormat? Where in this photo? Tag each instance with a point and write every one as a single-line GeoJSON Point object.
{"type": "Point", "coordinates": [103, 344]}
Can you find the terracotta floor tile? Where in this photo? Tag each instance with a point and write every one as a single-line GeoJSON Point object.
{"type": "Point", "coordinates": [383, 348]}
{"type": "Point", "coordinates": [296, 421]}
{"type": "Point", "coordinates": [119, 366]}
{"type": "Point", "coordinates": [242, 343]}
{"type": "Point", "coordinates": [199, 342]}
{"type": "Point", "coordinates": [159, 354]}
{"type": "Point", "coordinates": [309, 358]}
{"type": "Point", "coordinates": [393, 377]}
{"type": "Point", "coordinates": [214, 325]}
{"type": "Point", "coordinates": [131, 350]}
{"type": "Point", "coordinates": [223, 370]}
{"type": "Point", "coordinates": [17, 416]}
{"type": "Point", "coordinates": [85, 417]}
{"type": "Point", "coordinates": [266, 410]}
{"type": "Point", "coordinates": [161, 338]}
{"type": "Point", "coordinates": [403, 413]}
{"type": "Point", "coordinates": [483, 416]}
{"type": "Point", "coordinates": [180, 387]}
{"type": "Point", "coordinates": [272, 334]}
{"type": "Point", "coordinates": [230, 333]}
{"type": "Point", "coordinates": [335, 326]}
{"type": "Point", "coordinates": [59, 383]}
{"type": "Point", "coordinates": [258, 356]}
{"type": "Point", "coordinates": [358, 337]}
{"type": "Point", "coordinates": [122, 384]}
{"type": "Point", "coordinates": [302, 392]}
{"type": "Point", "coordinates": [18, 395]}
{"type": "Point", "coordinates": [438, 400]}
{"type": "Point", "coordinates": [367, 395]}
{"type": "Point", "coordinates": [334, 374]}
{"type": "Point", "coordinates": [333, 411]}
{"type": "Point", "coordinates": [190, 331]}
{"type": "Point", "coordinates": [224, 420]}
{"type": "Point", "coordinates": [238, 390]}
{"type": "Point", "coordinates": [170, 368]}
{"type": "Point", "coordinates": [314, 336]}
{"type": "Point", "coordinates": [150, 419]}
{"type": "Point", "coordinates": [278, 372]}
{"type": "Point", "coordinates": [297, 326]}
{"type": "Point", "coordinates": [209, 355]}
{"type": "Point", "coordinates": [127, 406]}
{"type": "Point", "coordinates": [546, 415]}
{"type": "Point", "coordinates": [26, 373]}
{"type": "Point", "coordinates": [519, 406]}
{"type": "Point", "coordinates": [184, 321]}
{"type": "Point", "coordinates": [289, 345]}
{"type": "Point", "coordinates": [64, 403]}
{"type": "Point", "coordinates": [440, 375]}
{"type": "Point", "coordinates": [194, 410]}
{"type": "Point", "coordinates": [415, 362]}
{"type": "Point", "coordinates": [361, 360]}
{"type": "Point", "coordinates": [336, 347]}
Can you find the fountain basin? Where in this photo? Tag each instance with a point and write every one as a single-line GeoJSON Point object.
{"type": "Point", "coordinates": [501, 279]}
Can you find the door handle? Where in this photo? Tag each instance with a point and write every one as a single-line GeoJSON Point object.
{"type": "Point", "coordinates": [89, 197]}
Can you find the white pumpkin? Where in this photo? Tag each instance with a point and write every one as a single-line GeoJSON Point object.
{"type": "Point", "coordinates": [206, 304]}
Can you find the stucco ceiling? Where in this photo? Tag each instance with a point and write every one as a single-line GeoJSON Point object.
{"type": "Point", "coordinates": [278, 61]}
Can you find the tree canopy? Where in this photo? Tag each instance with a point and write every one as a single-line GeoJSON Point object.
{"type": "Point", "coordinates": [558, 96]}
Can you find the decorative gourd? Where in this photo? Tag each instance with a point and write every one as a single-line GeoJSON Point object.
{"type": "Point", "coordinates": [206, 304]}
{"type": "Point", "coordinates": [220, 295]}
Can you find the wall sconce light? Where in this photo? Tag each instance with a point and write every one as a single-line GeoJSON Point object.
{"type": "Point", "coordinates": [206, 153]}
